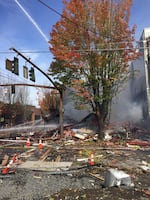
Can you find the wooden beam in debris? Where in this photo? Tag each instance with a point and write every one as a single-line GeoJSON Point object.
{"type": "Point", "coordinates": [97, 176]}
{"type": "Point", "coordinates": [44, 156]}
{"type": "Point", "coordinates": [44, 166]}
{"type": "Point", "coordinates": [9, 140]}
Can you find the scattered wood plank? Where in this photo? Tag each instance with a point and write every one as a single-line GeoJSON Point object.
{"type": "Point", "coordinates": [27, 153]}
{"type": "Point", "coordinates": [44, 156]}
{"type": "Point", "coordinates": [5, 160]}
{"type": "Point", "coordinates": [44, 165]}
{"type": "Point", "coordinates": [96, 176]}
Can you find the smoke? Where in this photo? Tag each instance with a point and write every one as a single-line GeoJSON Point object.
{"type": "Point", "coordinates": [124, 110]}
{"type": "Point", "coordinates": [32, 21]}
{"type": "Point", "coordinates": [73, 113]}
{"type": "Point", "coordinates": [128, 112]}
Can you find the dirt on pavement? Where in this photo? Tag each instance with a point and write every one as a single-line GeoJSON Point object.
{"type": "Point", "coordinates": [81, 182]}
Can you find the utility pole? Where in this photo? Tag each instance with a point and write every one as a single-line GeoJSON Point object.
{"type": "Point", "coordinates": [59, 88]}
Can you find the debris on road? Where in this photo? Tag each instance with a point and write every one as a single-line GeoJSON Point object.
{"type": "Point", "coordinates": [45, 166]}
{"type": "Point", "coordinates": [115, 177]}
{"type": "Point", "coordinates": [79, 161]}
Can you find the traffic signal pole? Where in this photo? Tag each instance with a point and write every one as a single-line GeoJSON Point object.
{"type": "Point", "coordinates": [60, 90]}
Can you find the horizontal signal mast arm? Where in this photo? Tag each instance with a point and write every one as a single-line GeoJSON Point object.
{"type": "Point", "coordinates": [26, 84]}
{"type": "Point", "coordinates": [29, 61]}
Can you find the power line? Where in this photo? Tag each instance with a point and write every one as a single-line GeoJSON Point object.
{"type": "Point", "coordinates": [55, 11]}
{"type": "Point", "coordinates": [58, 13]}
{"type": "Point", "coordinates": [84, 50]}
{"type": "Point", "coordinates": [23, 51]}
{"type": "Point", "coordinates": [10, 78]}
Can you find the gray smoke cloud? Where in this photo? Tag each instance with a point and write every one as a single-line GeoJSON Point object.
{"type": "Point", "coordinates": [124, 110]}
{"type": "Point", "coordinates": [73, 113]}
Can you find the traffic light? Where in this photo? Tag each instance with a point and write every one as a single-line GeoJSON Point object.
{"type": "Point", "coordinates": [25, 72]}
{"type": "Point", "coordinates": [15, 66]}
{"type": "Point", "coordinates": [31, 74]}
{"type": "Point", "coordinates": [8, 64]}
{"type": "Point", "coordinates": [13, 89]}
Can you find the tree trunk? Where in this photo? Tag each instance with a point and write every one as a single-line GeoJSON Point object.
{"type": "Point", "coordinates": [61, 113]}
{"type": "Point", "coordinates": [100, 123]}
{"type": "Point", "coordinates": [101, 114]}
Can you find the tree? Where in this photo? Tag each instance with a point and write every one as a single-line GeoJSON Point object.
{"type": "Point", "coordinates": [14, 108]}
{"type": "Point", "coordinates": [93, 44]}
{"type": "Point", "coordinates": [15, 113]}
{"type": "Point", "coordinates": [49, 105]}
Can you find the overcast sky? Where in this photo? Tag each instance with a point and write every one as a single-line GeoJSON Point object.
{"type": "Point", "coordinates": [26, 24]}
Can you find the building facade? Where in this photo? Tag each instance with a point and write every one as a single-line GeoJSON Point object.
{"type": "Point", "coordinates": [140, 72]}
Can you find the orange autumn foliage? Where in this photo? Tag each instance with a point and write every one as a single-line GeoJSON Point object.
{"type": "Point", "coordinates": [95, 41]}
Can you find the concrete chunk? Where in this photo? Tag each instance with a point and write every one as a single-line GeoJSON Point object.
{"type": "Point", "coordinates": [116, 177]}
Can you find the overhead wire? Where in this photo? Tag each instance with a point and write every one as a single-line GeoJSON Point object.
{"type": "Point", "coordinates": [12, 77]}
{"type": "Point", "coordinates": [88, 50]}
{"type": "Point", "coordinates": [23, 51]}
{"type": "Point", "coordinates": [58, 13]}
{"type": "Point", "coordinates": [84, 50]}
{"type": "Point", "coordinates": [55, 11]}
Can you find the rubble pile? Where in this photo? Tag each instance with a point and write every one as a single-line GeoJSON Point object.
{"type": "Point", "coordinates": [77, 165]}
